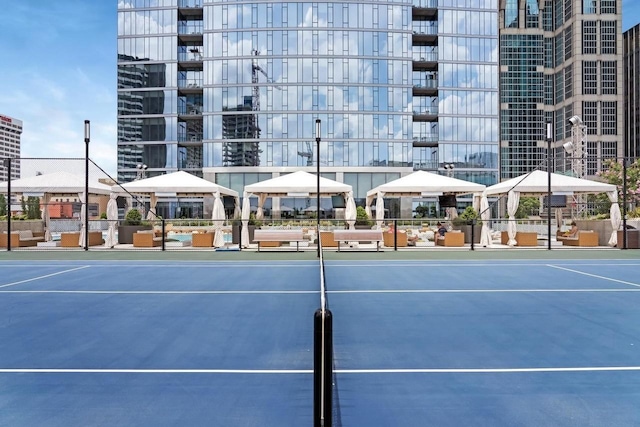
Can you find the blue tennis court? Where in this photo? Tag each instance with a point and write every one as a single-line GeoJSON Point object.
{"type": "Point", "coordinates": [434, 343]}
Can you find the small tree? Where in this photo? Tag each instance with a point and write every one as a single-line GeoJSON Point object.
{"type": "Point", "coordinates": [3, 205]}
{"type": "Point", "coordinates": [467, 215]}
{"type": "Point", "coordinates": [362, 218]}
{"type": "Point", "coordinates": [23, 205]}
{"type": "Point", "coordinates": [133, 217]}
{"type": "Point", "coordinates": [612, 174]}
{"type": "Point", "coordinates": [527, 207]}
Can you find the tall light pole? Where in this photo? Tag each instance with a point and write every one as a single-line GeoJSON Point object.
{"type": "Point", "coordinates": [577, 147]}
{"type": "Point", "coordinates": [87, 138]}
{"type": "Point", "coordinates": [318, 131]}
{"type": "Point", "coordinates": [549, 137]}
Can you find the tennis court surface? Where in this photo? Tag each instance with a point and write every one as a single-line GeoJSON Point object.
{"type": "Point", "coordinates": [230, 343]}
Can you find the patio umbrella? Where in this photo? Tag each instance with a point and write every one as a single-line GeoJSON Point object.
{"type": "Point", "coordinates": [350, 211]}
{"type": "Point", "coordinates": [558, 218]}
{"type": "Point", "coordinates": [380, 209]}
{"type": "Point", "coordinates": [83, 226]}
{"type": "Point", "coordinates": [47, 217]}
{"type": "Point", "coordinates": [616, 217]}
{"type": "Point", "coordinates": [112, 219]}
{"type": "Point", "coordinates": [218, 220]}
{"type": "Point", "coordinates": [513, 200]}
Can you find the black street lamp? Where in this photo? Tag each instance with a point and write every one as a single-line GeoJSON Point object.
{"type": "Point", "coordinates": [318, 131]}
{"type": "Point", "coordinates": [549, 137]}
{"type": "Point", "coordinates": [87, 138]}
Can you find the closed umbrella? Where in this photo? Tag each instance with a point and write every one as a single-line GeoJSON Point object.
{"type": "Point", "coordinates": [112, 219]}
{"type": "Point", "coordinates": [350, 212]}
{"type": "Point", "coordinates": [151, 215]}
{"type": "Point", "coordinates": [218, 220]}
{"type": "Point", "coordinates": [380, 209]}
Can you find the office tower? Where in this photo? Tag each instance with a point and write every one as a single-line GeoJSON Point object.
{"type": "Point", "coordinates": [10, 131]}
{"type": "Point", "coordinates": [559, 59]}
{"type": "Point", "coordinates": [230, 90]}
{"type": "Point", "coordinates": [631, 76]}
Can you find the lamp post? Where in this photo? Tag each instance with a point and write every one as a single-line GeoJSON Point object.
{"type": "Point", "coordinates": [448, 167]}
{"type": "Point", "coordinates": [87, 138]}
{"type": "Point", "coordinates": [549, 136]}
{"type": "Point", "coordinates": [318, 130]}
{"type": "Point", "coordinates": [142, 171]}
{"type": "Point", "coordinates": [624, 203]}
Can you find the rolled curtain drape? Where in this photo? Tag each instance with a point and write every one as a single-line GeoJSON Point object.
{"type": "Point", "coordinates": [513, 201]}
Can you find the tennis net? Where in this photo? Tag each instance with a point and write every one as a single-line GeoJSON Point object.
{"type": "Point", "coordinates": [323, 355]}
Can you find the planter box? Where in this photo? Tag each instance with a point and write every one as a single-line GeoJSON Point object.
{"type": "Point", "coordinates": [235, 234]}
{"type": "Point", "coordinates": [466, 229]}
{"type": "Point", "coordinates": [126, 232]}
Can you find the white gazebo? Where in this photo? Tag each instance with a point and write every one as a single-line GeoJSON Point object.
{"type": "Point", "coordinates": [419, 184]}
{"type": "Point", "coordinates": [56, 184]}
{"type": "Point", "coordinates": [536, 183]}
{"type": "Point", "coordinates": [296, 184]}
{"type": "Point", "coordinates": [175, 184]}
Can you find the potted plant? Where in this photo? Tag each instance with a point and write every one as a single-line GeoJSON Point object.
{"type": "Point", "coordinates": [467, 220]}
{"type": "Point", "coordinates": [362, 219]}
{"type": "Point", "coordinates": [235, 228]}
{"type": "Point", "coordinates": [132, 223]}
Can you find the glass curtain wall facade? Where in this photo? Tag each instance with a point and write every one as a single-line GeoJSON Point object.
{"type": "Point", "coordinates": [632, 91]}
{"type": "Point", "coordinates": [230, 90]}
{"type": "Point", "coordinates": [559, 59]}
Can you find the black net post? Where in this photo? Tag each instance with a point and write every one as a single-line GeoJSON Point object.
{"type": "Point", "coordinates": [322, 367]}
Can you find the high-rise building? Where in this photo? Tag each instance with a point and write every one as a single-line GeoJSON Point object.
{"type": "Point", "coordinates": [631, 78]}
{"type": "Point", "coordinates": [560, 59]}
{"type": "Point", "coordinates": [230, 90]}
{"type": "Point", "coordinates": [10, 131]}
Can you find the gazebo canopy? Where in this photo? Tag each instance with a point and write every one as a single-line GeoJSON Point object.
{"type": "Point", "coordinates": [55, 183]}
{"type": "Point", "coordinates": [297, 184]}
{"type": "Point", "coordinates": [174, 184]}
{"type": "Point", "coordinates": [420, 182]}
{"type": "Point", "coordinates": [536, 183]}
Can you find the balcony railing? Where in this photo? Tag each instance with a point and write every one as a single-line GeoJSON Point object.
{"type": "Point", "coordinates": [425, 3]}
{"type": "Point", "coordinates": [189, 137]}
{"type": "Point", "coordinates": [190, 27]}
{"type": "Point", "coordinates": [195, 3]}
{"type": "Point", "coordinates": [426, 110]}
{"type": "Point", "coordinates": [190, 83]}
{"type": "Point", "coordinates": [425, 84]}
{"type": "Point", "coordinates": [189, 56]}
{"type": "Point", "coordinates": [425, 29]}
{"type": "Point", "coordinates": [426, 139]}
{"type": "Point", "coordinates": [425, 56]}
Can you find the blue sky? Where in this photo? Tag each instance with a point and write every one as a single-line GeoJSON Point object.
{"type": "Point", "coordinates": [58, 68]}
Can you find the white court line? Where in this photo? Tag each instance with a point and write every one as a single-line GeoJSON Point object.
{"type": "Point", "coordinates": [594, 275]}
{"type": "Point", "coordinates": [337, 371]}
{"type": "Point", "coordinates": [44, 277]}
{"type": "Point", "coordinates": [284, 292]}
{"type": "Point", "coordinates": [116, 292]}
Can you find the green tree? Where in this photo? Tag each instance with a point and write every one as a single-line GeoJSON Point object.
{"type": "Point", "coordinates": [528, 206]}
{"type": "Point", "coordinates": [23, 205]}
{"type": "Point", "coordinates": [33, 208]}
{"type": "Point", "coordinates": [361, 217]}
{"type": "Point", "coordinates": [3, 205]}
{"type": "Point", "coordinates": [612, 174]}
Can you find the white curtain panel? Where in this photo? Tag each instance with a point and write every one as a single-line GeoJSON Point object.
{"type": "Point", "coordinates": [559, 217]}
{"type": "Point", "coordinates": [261, 199]}
{"type": "Point", "coordinates": [380, 209]}
{"type": "Point", "coordinates": [246, 212]}
{"type": "Point", "coordinates": [218, 220]}
{"type": "Point", "coordinates": [350, 210]}
{"type": "Point", "coordinates": [83, 226]}
{"type": "Point", "coordinates": [112, 218]}
{"type": "Point", "coordinates": [485, 214]}
{"type": "Point", "coordinates": [513, 201]}
{"type": "Point", "coordinates": [616, 217]}
{"type": "Point", "coordinates": [47, 217]}
{"type": "Point", "coordinates": [151, 215]}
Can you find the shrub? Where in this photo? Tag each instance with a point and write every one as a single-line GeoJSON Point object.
{"type": "Point", "coordinates": [133, 217]}
{"type": "Point", "coordinates": [362, 218]}
{"type": "Point", "coordinates": [467, 215]}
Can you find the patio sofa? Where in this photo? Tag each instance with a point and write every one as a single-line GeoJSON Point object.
{"type": "Point", "coordinates": [451, 239]}
{"type": "Point", "coordinates": [587, 238]}
{"type": "Point", "coordinates": [326, 237]}
{"type": "Point", "coordinates": [524, 238]}
{"type": "Point", "coordinates": [21, 239]}
{"type": "Point", "coordinates": [388, 239]}
{"type": "Point", "coordinates": [202, 240]}
{"type": "Point", "coordinates": [72, 239]}
{"type": "Point", "coordinates": [146, 239]}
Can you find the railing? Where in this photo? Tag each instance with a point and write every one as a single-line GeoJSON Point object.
{"type": "Point", "coordinates": [426, 111]}
{"type": "Point", "coordinates": [425, 29]}
{"type": "Point", "coordinates": [191, 3]}
{"type": "Point", "coordinates": [190, 83]}
{"type": "Point", "coordinates": [189, 56]}
{"type": "Point", "coordinates": [425, 3]}
{"type": "Point", "coordinates": [189, 137]}
{"type": "Point", "coordinates": [431, 138]}
{"type": "Point", "coordinates": [190, 27]}
{"type": "Point", "coordinates": [425, 84]}
{"type": "Point", "coordinates": [425, 56]}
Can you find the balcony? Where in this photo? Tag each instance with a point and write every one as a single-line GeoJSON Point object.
{"type": "Point", "coordinates": [190, 28]}
{"type": "Point", "coordinates": [426, 141]}
{"type": "Point", "coordinates": [190, 8]}
{"type": "Point", "coordinates": [425, 114]}
{"type": "Point", "coordinates": [425, 88]}
{"type": "Point", "coordinates": [189, 138]}
{"type": "Point", "coordinates": [187, 86]}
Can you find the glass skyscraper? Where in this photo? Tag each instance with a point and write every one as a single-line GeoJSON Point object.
{"type": "Point", "coordinates": [559, 59]}
{"type": "Point", "coordinates": [230, 90]}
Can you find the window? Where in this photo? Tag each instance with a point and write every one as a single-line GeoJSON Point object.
{"type": "Point", "coordinates": [590, 116]}
{"type": "Point", "coordinates": [589, 37]}
{"type": "Point", "coordinates": [609, 124]}
{"type": "Point", "coordinates": [608, 76]}
{"type": "Point", "coordinates": [608, 6]}
{"type": "Point", "coordinates": [590, 78]}
{"type": "Point", "coordinates": [608, 37]}
{"type": "Point", "coordinates": [589, 6]}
